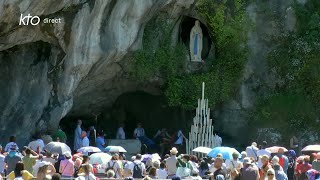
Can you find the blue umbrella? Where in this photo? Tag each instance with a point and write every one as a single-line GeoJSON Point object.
{"type": "Point", "coordinates": [225, 151]}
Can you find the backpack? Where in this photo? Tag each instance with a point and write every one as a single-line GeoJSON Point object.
{"type": "Point", "coordinates": [111, 168]}
{"type": "Point", "coordinates": [137, 170]}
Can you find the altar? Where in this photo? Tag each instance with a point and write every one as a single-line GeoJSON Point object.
{"type": "Point", "coordinates": [133, 146]}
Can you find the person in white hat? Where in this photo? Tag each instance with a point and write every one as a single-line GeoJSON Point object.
{"type": "Point", "coordinates": [171, 162]}
{"type": "Point", "coordinates": [46, 170]}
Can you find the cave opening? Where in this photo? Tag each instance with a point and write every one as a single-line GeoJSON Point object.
{"type": "Point", "coordinates": [130, 108]}
{"type": "Point", "coordinates": [185, 28]}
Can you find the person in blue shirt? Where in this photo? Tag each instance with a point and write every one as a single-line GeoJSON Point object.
{"type": "Point", "coordinates": [100, 143]}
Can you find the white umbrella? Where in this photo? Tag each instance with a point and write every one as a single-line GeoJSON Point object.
{"type": "Point", "coordinates": [89, 149]}
{"type": "Point", "coordinates": [116, 149]}
{"type": "Point", "coordinates": [57, 147]}
{"type": "Point", "coordinates": [315, 148]}
{"type": "Point", "coordinates": [99, 158]}
{"type": "Point", "coordinates": [201, 149]}
{"type": "Point", "coordinates": [275, 149]}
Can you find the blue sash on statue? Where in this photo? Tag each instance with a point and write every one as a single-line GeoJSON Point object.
{"type": "Point", "coordinates": [195, 47]}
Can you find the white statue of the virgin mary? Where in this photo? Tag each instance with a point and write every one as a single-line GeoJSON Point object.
{"type": "Point", "coordinates": [196, 42]}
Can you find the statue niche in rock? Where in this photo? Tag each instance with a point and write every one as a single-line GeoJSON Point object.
{"type": "Point", "coordinates": [196, 38]}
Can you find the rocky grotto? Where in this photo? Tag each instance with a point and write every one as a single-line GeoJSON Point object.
{"type": "Point", "coordinates": [82, 65]}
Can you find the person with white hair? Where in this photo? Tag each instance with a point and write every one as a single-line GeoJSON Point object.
{"type": "Point", "coordinates": [243, 155]}
{"type": "Point", "coordinates": [85, 139]}
{"type": "Point", "coordinates": [279, 173]}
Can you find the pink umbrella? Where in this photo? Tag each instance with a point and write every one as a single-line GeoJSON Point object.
{"type": "Point", "coordinates": [275, 149]}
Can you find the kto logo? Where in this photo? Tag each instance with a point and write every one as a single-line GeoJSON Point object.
{"type": "Point", "coordinates": [25, 20]}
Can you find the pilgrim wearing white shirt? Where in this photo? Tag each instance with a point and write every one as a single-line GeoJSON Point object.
{"type": "Point", "coordinates": [252, 151]}
{"type": "Point", "coordinates": [85, 139]}
{"type": "Point", "coordinates": [120, 133]}
{"type": "Point", "coordinates": [139, 131]}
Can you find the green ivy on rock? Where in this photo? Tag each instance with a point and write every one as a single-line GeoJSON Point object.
{"type": "Point", "coordinates": [228, 27]}
{"type": "Point", "coordinates": [295, 59]}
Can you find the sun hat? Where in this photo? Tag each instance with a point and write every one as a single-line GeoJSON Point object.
{"type": "Point", "coordinates": [174, 151]}
{"type": "Point", "coordinates": [244, 153]}
{"type": "Point", "coordinates": [246, 160]}
{"type": "Point", "coordinates": [67, 154]}
{"type": "Point", "coordinates": [43, 163]}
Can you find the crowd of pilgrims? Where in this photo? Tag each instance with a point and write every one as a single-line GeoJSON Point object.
{"type": "Point", "coordinates": [255, 163]}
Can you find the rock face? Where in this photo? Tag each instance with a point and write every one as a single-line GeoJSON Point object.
{"type": "Point", "coordinates": [49, 69]}
{"type": "Point", "coordinates": [79, 66]}
{"type": "Point", "coordinates": [257, 79]}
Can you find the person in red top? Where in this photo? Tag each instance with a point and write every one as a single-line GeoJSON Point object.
{"type": "Point", "coordinates": [302, 168]}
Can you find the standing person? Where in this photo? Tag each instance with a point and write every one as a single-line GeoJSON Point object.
{"type": "Point", "coordinates": [12, 158]}
{"type": "Point", "coordinates": [316, 163]}
{"type": "Point", "coordinates": [220, 172]}
{"type": "Point", "coordinates": [139, 131]}
{"type": "Point", "coordinates": [233, 166]}
{"type": "Point", "coordinates": [115, 165]}
{"type": "Point", "coordinates": [85, 139]}
{"type": "Point", "coordinates": [179, 140]}
{"type": "Point", "coordinates": [263, 151]}
{"type": "Point", "coordinates": [77, 136]}
{"type": "Point", "coordinates": [35, 145]}
{"type": "Point", "coordinates": [120, 132]}
{"type": "Point", "coordinates": [243, 155]}
{"type": "Point", "coordinates": [87, 173]}
{"type": "Point", "coordinates": [303, 168]}
{"type": "Point", "coordinates": [164, 140]}
{"type": "Point", "coordinates": [20, 173]}
{"type": "Point", "coordinates": [46, 170]}
{"type": "Point", "coordinates": [283, 160]}
{"type": "Point", "coordinates": [183, 162]}
{"type": "Point", "coordinates": [265, 167]}
{"type": "Point", "coordinates": [292, 164]}
{"type": "Point", "coordinates": [2, 157]}
{"type": "Point", "coordinates": [171, 162]}
{"type": "Point", "coordinates": [249, 171]}
{"type": "Point", "coordinates": [252, 151]}
{"type": "Point", "coordinates": [66, 168]}
{"type": "Point", "coordinates": [12, 142]}
{"type": "Point", "coordinates": [162, 172]}
{"type": "Point", "coordinates": [270, 175]}
{"type": "Point", "coordinates": [279, 173]}
{"type": "Point", "coordinates": [29, 160]}
{"type": "Point", "coordinates": [60, 134]}
{"type": "Point", "coordinates": [92, 135]}
{"type": "Point", "coordinates": [153, 173]}
{"type": "Point", "coordinates": [138, 169]}
{"type": "Point", "coordinates": [100, 143]}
